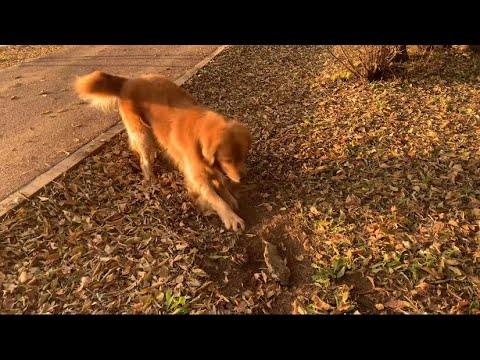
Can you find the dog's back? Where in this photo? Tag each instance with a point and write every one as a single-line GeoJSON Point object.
{"type": "Point", "coordinates": [151, 101]}
{"type": "Point", "coordinates": [156, 89]}
{"type": "Point", "coordinates": [103, 90]}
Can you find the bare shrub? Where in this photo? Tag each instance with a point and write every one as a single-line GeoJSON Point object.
{"type": "Point", "coordinates": [426, 49]}
{"type": "Point", "coordinates": [370, 62]}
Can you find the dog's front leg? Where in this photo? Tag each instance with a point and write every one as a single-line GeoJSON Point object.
{"type": "Point", "coordinates": [199, 182]}
{"type": "Point", "coordinates": [220, 183]}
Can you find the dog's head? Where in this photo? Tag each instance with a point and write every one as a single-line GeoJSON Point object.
{"type": "Point", "coordinates": [228, 149]}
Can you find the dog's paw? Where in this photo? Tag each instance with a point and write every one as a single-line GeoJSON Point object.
{"type": "Point", "coordinates": [233, 221]}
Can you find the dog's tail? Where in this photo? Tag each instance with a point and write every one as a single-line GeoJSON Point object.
{"type": "Point", "coordinates": [100, 89]}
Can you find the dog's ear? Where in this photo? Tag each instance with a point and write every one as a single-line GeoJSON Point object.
{"type": "Point", "coordinates": [209, 143]}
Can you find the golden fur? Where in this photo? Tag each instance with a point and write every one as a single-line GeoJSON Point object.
{"type": "Point", "coordinates": [202, 143]}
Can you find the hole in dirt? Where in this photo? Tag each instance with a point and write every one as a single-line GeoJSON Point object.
{"type": "Point", "coordinates": [280, 231]}
{"type": "Point", "coordinates": [246, 259]}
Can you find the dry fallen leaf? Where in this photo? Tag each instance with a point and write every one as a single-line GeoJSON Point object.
{"type": "Point", "coordinates": [397, 304]}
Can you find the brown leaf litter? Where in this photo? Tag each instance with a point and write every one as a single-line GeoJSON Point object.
{"type": "Point", "coordinates": [371, 192]}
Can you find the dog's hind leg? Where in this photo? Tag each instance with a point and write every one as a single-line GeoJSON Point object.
{"type": "Point", "coordinates": [141, 141]}
{"type": "Point", "coordinates": [144, 146]}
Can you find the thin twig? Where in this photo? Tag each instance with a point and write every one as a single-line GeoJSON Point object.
{"type": "Point", "coordinates": [341, 62]}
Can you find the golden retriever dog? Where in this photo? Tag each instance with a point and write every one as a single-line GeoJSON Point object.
{"type": "Point", "coordinates": [208, 149]}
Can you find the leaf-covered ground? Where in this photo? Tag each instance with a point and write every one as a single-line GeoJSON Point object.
{"type": "Point", "coordinates": [370, 191]}
{"type": "Point", "coordinates": [14, 54]}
